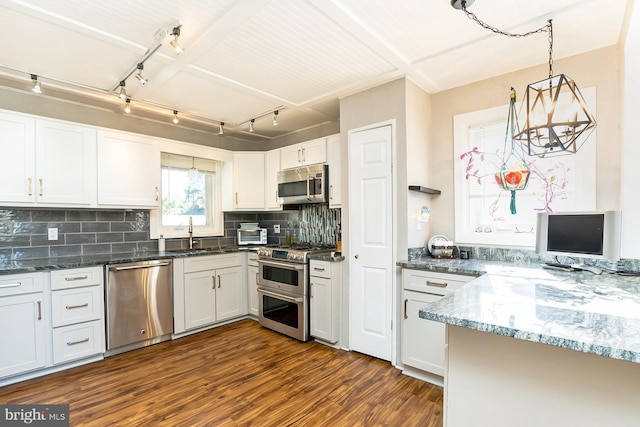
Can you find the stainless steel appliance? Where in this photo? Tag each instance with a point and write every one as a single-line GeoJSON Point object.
{"type": "Point", "coordinates": [303, 185]}
{"type": "Point", "coordinates": [252, 236]}
{"type": "Point", "coordinates": [283, 288]}
{"type": "Point", "coordinates": [139, 300]}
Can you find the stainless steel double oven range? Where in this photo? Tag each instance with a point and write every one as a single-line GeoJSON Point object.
{"type": "Point", "coordinates": [283, 288]}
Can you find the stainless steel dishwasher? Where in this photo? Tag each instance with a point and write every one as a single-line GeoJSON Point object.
{"type": "Point", "coordinates": [139, 304]}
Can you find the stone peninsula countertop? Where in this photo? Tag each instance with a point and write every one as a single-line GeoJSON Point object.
{"type": "Point", "coordinates": [597, 314]}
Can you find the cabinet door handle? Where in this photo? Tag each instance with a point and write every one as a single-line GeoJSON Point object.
{"type": "Point", "coordinates": [41, 181]}
{"type": "Point", "coordinates": [30, 186]}
{"type": "Point", "coordinates": [310, 290]}
{"type": "Point", "coordinates": [299, 156]}
{"type": "Point", "coordinates": [71, 307]}
{"type": "Point", "coordinates": [39, 310]}
{"type": "Point", "coordinates": [303, 157]}
{"type": "Point", "coordinates": [437, 284]}
{"type": "Point", "coordinates": [236, 199]}
{"type": "Point", "coordinates": [78, 342]}
{"type": "Point", "coordinates": [214, 282]}
{"type": "Point", "coordinates": [405, 308]}
{"type": "Point", "coordinates": [11, 285]}
{"type": "Point", "coordinates": [219, 282]}
{"type": "Point", "coordinates": [157, 194]}
{"type": "Point", "coordinates": [318, 268]}
{"type": "Point", "coordinates": [331, 192]}
{"type": "Point", "coordinates": [71, 279]}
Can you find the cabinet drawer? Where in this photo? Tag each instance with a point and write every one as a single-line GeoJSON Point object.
{"type": "Point", "coordinates": [320, 269]}
{"type": "Point", "coordinates": [211, 262]}
{"type": "Point", "coordinates": [78, 341]}
{"type": "Point", "coordinates": [71, 306]}
{"type": "Point", "coordinates": [434, 282]}
{"type": "Point", "coordinates": [253, 259]}
{"type": "Point", "coordinates": [73, 278]}
{"type": "Point", "coordinates": [16, 284]}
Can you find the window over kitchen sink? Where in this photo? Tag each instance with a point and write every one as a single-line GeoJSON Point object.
{"type": "Point", "coordinates": [482, 215]}
{"type": "Point", "coordinates": [190, 190]}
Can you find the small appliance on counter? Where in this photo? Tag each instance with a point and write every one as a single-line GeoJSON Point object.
{"type": "Point", "coordinates": [441, 247]}
{"type": "Point", "coordinates": [250, 234]}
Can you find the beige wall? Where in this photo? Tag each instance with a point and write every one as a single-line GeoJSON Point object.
{"type": "Point", "coordinates": [598, 68]}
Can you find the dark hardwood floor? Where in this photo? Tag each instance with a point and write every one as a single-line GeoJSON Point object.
{"type": "Point", "coordinates": [236, 375]}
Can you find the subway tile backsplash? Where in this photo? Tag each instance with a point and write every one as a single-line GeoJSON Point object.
{"type": "Point", "coordinates": [24, 232]}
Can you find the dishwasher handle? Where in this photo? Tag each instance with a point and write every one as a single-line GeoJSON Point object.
{"type": "Point", "coordinates": [135, 267]}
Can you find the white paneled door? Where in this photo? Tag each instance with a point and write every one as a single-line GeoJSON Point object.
{"type": "Point", "coordinates": [371, 247]}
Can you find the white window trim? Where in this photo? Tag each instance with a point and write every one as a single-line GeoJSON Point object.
{"type": "Point", "coordinates": [585, 169]}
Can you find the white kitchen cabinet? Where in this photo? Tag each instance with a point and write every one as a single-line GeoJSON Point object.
{"type": "Point", "coordinates": [128, 170]}
{"type": "Point", "coordinates": [23, 310]}
{"type": "Point", "coordinates": [325, 280]}
{"type": "Point", "coordinates": [208, 289]}
{"type": "Point", "coordinates": [271, 169]}
{"type": "Point", "coordinates": [46, 163]}
{"type": "Point", "coordinates": [252, 282]}
{"type": "Point", "coordinates": [77, 313]}
{"type": "Point", "coordinates": [334, 160]}
{"type": "Point", "coordinates": [248, 180]}
{"type": "Point", "coordinates": [304, 154]}
{"type": "Point", "coordinates": [423, 341]}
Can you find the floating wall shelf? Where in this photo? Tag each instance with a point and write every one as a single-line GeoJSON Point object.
{"type": "Point", "coordinates": [422, 189]}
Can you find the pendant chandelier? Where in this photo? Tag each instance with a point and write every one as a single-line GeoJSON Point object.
{"type": "Point", "coordinates": [557, 118]}
{"type": "Point", "coordinates": [514, 171]}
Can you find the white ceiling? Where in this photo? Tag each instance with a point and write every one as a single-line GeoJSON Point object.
{"type": "Point", "coordinates": [244, 59]}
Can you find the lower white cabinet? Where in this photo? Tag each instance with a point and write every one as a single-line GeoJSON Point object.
{"type": "Point", "coordinates": [208, 289]}
{"type": "Point", "coordinates": [77, 313]}
{"type": "Point", "coordinates": [325, 280]}
{"type": "Point", "coordinates": [252, 281]}
{"type": "Point", "coordinates": [423, 341]}
{"type": "Point", "coordinates": [22, 324]}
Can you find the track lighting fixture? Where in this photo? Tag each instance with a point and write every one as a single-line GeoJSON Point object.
{"type": "Point", "coordinates": [221, 129]}
{"type": "Point", "coordinates": [174, 43]}
{"type": "Point", "coordinates": [127, 106]}
{"type": "Point", "coordinates": [123, 92]}
{"type": "Point", "coordinates": [139, 76]}
{"type": "Point", "coordinates": [36, 84]}
{"type": "Point", "coordinates": [251, 125]}
{"type": "Point", "coordinates": [175, 117]}
{"type": "Point", "coordinates": [274, 121]}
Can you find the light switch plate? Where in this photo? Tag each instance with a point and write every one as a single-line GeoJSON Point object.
{"type": "Point", "coordinates": [52, 233]}
{"type": "Point", "coordinates": [276, 228]}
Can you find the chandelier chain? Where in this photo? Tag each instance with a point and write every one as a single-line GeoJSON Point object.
{"type": "Point", "coordinates": [544, 29]}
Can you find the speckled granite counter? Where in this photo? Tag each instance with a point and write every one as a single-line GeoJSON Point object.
{"type": "Point", "coordinates": [597, 314]}
{"type": "Point", "coordinates": [43, 264]}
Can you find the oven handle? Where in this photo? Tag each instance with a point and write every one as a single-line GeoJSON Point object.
{"type": "Point", "coordinates": [285, 265]}
{"type": "Point", "coordinates": [280, 296]}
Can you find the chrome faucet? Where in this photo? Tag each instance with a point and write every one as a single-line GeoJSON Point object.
{"type": "Point", "coordinates": [190, 233]}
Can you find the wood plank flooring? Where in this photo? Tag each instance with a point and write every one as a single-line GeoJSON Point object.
{"type": "Point", "coordinates": [236, 375]}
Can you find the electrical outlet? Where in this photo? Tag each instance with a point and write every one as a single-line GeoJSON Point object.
{"type": "Point", "coordinates": [52, 233]}
{"type": "Point", "coordinates": [276, 228]}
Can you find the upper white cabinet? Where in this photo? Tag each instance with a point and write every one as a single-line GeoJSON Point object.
{"type": "Point", "coordinates": [128, 170]}
{"type": "Point", "coordinates": [47, 163]}
{"type": "Point", "coordinates": [248, 180]}
{"type": "Point", "coordinates": [304, 154]}
{"type": "Point", "coordinates": [271, 169]}
{"type": "Point", "coordinates": [334, 160]}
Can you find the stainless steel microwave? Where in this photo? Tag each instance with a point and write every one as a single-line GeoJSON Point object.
{"type": "Point", "coordinates": [308, 184]}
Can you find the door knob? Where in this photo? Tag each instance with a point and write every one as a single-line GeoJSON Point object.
{"type": "Point", "coordinates": [356, 256]}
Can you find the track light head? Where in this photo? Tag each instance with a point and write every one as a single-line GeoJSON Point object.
{"type": "Point", "coordinates": [274, 120]}
{"type": "Point", "coordinates": [127, 106]}
{"type": "Point", "coordinates": [175, 117]}
{"type": "Point", "coordinates": [174, 43]}
{"type": "Point", "coordinates": [221, 129]}
{"type": "Point", "coordinates": [36, 84]}
{"type": "Point", "coordinates": [251, 125]}
{"type": "Point", "coordinates": [123, 92]}
{"type": "Point", "coordinates": [139, 76]}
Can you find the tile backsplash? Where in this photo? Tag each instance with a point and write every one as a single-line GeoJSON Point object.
{"type": "Point", "coordinates": [24, 232]}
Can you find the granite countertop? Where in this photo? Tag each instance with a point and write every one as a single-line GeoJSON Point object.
{"type": "Point", "coordinates": [597, 314]}
{"type": "Point", "coordinates": [15, 266]}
